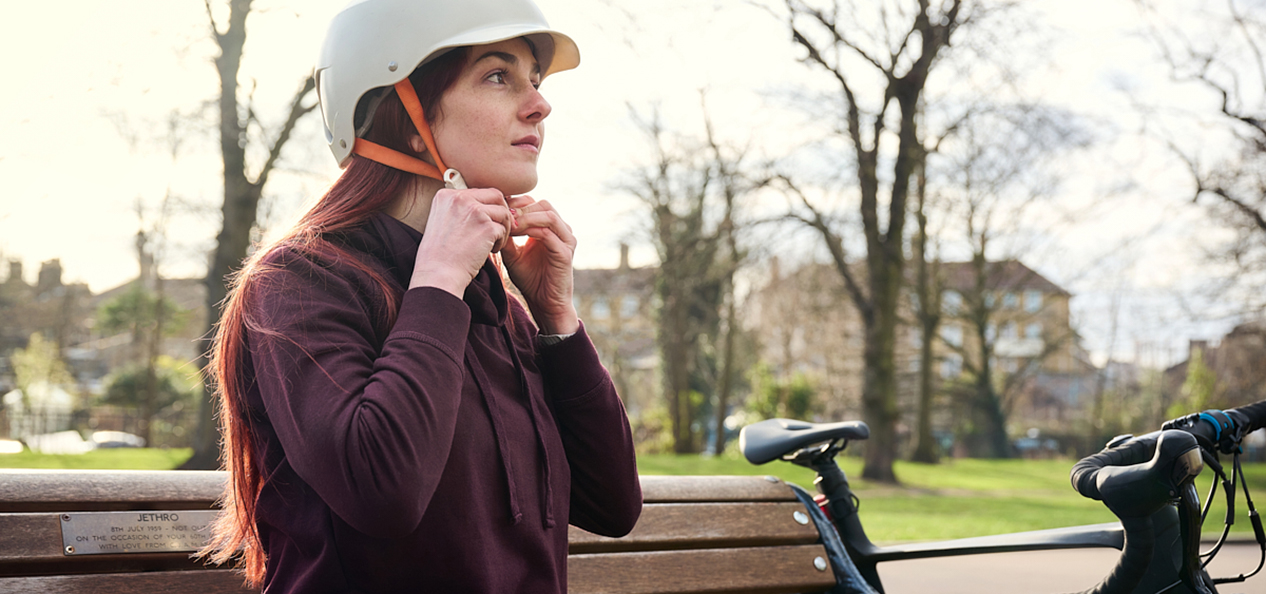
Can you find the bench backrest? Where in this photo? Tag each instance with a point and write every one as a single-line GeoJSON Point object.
{"type": "Point", "coordinates": [696, 534]}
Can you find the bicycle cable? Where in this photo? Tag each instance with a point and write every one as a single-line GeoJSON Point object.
{"type": "Point", "coordinates": [1229, 487]}
{"type": "Point", "coordinates": [1211, 461]}
{"type": "Point", "coordinates": [1254, 518]}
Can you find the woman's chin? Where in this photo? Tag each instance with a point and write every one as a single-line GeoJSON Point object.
{"type": "Point", "coordinates": [514, 187]}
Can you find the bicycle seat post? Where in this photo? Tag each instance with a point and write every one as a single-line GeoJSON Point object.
{"type": "Point", "coordinates": [832, 483]}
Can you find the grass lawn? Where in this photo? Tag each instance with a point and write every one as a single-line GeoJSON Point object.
{"type": "Point", "coordinates": [959, 498]}
{"type": "Point", "coordinates": [110, 458]}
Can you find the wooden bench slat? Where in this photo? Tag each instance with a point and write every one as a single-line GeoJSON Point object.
{"type": "Point", "coordinates": [24, 490]}
{"type": "Point", "coordinates": [764, 570]}
{"type": "Point", "coordinates": [105, 490]}
{"type": "Point", "coordinates": [215, 581]}
{"type": "Point", "coordinates": [669, 526]}
{"type": "Point", "coordinates": [29, 536]}
{"type": "Point", "coordinates": [684, 489]}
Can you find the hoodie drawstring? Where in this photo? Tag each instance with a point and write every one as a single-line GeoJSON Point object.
{"type": "Point", "coordinates": [525, 385]}
{"type": "Point", "coordinates": [494, 411]}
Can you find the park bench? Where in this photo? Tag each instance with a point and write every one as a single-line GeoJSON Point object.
{"type": "Point", "coordinates": [696, 534]}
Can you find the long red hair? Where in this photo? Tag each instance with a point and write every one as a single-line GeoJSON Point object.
{"type": "Point", "coordinates": [365, 187]}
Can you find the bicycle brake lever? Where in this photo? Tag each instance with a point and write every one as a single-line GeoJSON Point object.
{"type": "Point", "coordinates": [1189, 521]}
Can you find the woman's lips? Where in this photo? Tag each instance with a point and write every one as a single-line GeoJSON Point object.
{"type": "Point", "coordinates": [532, 143]}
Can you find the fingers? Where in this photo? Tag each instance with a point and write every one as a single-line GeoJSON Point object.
{"type": "Point", "coordinates": [485, 204]}
{"type": "Point", "coordinates": [520, 202]}
{"type": "Point", "coordinates": [490, 196]}
{"type": "Point", "coordinates": [541, 215]}
{"type": "Point", "coordinates": [509, 251]}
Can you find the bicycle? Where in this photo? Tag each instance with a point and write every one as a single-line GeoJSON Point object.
{"type": "Point", "coordinates": [1148, 482]}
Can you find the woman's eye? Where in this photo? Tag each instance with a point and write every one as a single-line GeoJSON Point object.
{"type": "Point", "coordinates": [498, 77]}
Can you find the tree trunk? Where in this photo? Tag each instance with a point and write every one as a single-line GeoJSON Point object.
{"type": "Point", "coordinates": [879, 390]}
{"type": "Point", "coordinates": [152, 350]}
{"type": "Point", "coordinates": [238, 217]}
{"type": "Point", "coordinates": [727, 371]}
{"type": "Point", "coordinates": [241, 203]}
{"type": "Point", "coordinates": [675, 350]}
{"type": "Point", "coordinates": [929, 316]}
{"type": "Point", "coordinates": [988, 402]}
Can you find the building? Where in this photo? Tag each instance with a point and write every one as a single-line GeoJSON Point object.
{"type": "Point", "coordinates": [103, 352]}
{"type": "Point", "coordinates": [1237, 362]}
{"type": "Point", "coordinates": [67, 315]}
{"type": "Point", "coordinates": [616, 305]}
{"type": "Point", "coordinates": [808, 324]}
{"type": "Point", "coordinates": [1046, 376]}
{"type": "Point", "coordinates": [50, 307]}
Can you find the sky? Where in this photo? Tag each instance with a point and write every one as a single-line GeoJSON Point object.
{"type": "Point", "coordinates": [105, 117]}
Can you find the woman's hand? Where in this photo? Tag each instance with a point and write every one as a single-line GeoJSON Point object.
{"type": "Point", "coordinates": [463, 227]}
{"type": "Point", "coordinates": [541, 268]}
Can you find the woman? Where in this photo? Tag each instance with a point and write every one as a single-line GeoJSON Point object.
{"type": "Point", "coordinates": [393, 420]}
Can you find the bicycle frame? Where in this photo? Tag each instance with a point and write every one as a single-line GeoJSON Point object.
{"type": "Point", "coordinates": [839, 505]}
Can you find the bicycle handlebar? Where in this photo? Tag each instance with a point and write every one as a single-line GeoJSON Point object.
{"type": "Point", "coordinates": [1135, 480]}
{"type": "Point", "coordinates": [1138, 477]}
{"type": "Point", "coordinates": [1129, 483]}
{"type": "Point", "coordinates": [1222, 429]}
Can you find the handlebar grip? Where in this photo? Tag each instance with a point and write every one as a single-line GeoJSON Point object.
{"type": "Point", "coordinates": [1140, 476]}
{"type": "Point", "coordinates": [1252, 416]}
{"type": "Point", "coordinates": [1085, 473]}
{"type": "Point", "coordinates": [1135, 480]}
{"type": "Point", "coordinates": [1222, 429]}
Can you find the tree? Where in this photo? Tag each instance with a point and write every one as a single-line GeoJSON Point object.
{"type": "Point", "coordinates": [1220, 49]}
{"type": "Point", "coordinates": [1199, 389]}
{"type": "Point", "coordinates": [165, 382]}
{"type": "Point", "coordinates": [901, 60]}
{"type": "Point", "coordinates": [244, 183]}
{"type": "Point", "coordinates": [993, 171]}
{"type": "Point", "coordinates": [771, 397]}
{"type": "Point", "coordinates": [44, 380]}
{"type": "Point", "coordinates": [692, 195]}
{"type": "Point", "coordinates": [39, 363]}
{"type": "Point", "coordinates": [148, 316]}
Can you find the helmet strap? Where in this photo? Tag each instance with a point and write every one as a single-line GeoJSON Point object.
{"type": "Point", "coordinates": [397, 160]}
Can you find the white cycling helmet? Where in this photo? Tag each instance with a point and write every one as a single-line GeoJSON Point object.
{"type": "Point", "coordinates": [377, 43]}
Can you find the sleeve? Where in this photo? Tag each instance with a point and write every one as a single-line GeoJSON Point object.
{"type": "Point", "coordinates": [368, 429]}
{"type": "Point", "coordinates": [606, 495]}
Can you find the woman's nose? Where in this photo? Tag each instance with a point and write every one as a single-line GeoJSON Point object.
{"type": "Point", "coordinates": [535, 107]}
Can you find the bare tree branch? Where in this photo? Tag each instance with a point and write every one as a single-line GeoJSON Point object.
{"type": "Point", "coordinates": [829, 25]}
{"type": "Point", "coordinates": [1240, 205]}
{"type": "Point", "coordinates": [853, 118]}
{"type": "Point", "coordinates": [835, 244]}
{"type": "Point", "coordinates": [1241, 22]}
{"type": "Point", "coordinates": [297, 111]}
{"type": "Point", "coordinates": [215, 29]}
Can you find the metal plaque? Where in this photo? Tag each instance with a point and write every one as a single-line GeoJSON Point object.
{"type": "Point", "coordinates": [112, 533]}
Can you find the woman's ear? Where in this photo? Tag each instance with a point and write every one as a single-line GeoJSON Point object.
{"type": "Point", "coordinates": [418, 146]}
{"type": "Point", "coordinates": [416, 143]}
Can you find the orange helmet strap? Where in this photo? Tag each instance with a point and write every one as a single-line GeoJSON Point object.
{"type": "Point", "coordinates": [409, 98]}
{"type": "Point", "coordinates": [397, 160]}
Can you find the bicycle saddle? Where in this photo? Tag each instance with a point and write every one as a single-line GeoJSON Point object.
{"type": "Point", "coordinates": [771, 439]}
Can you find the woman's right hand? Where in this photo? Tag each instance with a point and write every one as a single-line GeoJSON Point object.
{"type": "Point", "coordinates": [462, 229]}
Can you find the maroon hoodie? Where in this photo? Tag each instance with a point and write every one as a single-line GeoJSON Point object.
{"type": "Point", "coordinates": [446, 452]}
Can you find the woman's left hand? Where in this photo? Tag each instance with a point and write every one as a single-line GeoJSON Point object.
{"type": "Point", "coordinates": [542, 267]}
